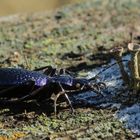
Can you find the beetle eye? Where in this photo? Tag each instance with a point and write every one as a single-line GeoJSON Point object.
{"type": "Point", "coordinates": [78, 85]}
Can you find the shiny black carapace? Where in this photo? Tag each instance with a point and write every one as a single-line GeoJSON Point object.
{"type": "Point", "coordinates": [54, 84]}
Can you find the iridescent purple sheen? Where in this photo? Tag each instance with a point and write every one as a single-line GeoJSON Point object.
{"type": "Point", "coordinates": [41, 82]}
{"type": "Point", "coordinates": [13, 76]}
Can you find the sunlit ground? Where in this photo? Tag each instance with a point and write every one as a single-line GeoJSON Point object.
{"type": "Point", "coordinates": [8, 7]}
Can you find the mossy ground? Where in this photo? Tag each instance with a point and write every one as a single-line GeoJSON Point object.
{"type": "Point", "coordinates": [77, 38]}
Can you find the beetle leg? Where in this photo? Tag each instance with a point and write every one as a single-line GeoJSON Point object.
{"type": "Point", "coordinates": [65, 72]}
{"type": "Point", "coordinates": [48, 70]}
{"type": "Point", "coordinates": [66, 96]}
{"type": "Point", "coordinates": [98, 92]}
{"type": "Point", "coordinates": [97, 87]}
{"type": "Point", "coordinates": [63, 92]}
{"type": "Point", "coordinates": [102, 85]}
{"type": "Point", "coordinates": [24, 97]}
{"type": "Point", "coordinates": [53, 71]}
{"type": "Point", "coordinates": [55, 100]}
{"type": "Point", "coordinates": [43, 68]}
{"type": "Point", "coordinates": [30, 95]}
{"type": "Point", "coordinates": [72, 109]}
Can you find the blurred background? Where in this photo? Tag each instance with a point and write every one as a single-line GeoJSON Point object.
{"type": "Point", "coordinates": [9, 7]}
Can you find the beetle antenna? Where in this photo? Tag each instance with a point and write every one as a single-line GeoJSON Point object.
{"type": "Point", "coordinates": [106, 68]}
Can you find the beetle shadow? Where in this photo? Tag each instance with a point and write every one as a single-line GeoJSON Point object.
{"type": "Point", "coordinates": [31, 105]}
{"type": "Point", "coordinates": [45, 106]}
{"type": "Point", "coordinates": [9, 109]}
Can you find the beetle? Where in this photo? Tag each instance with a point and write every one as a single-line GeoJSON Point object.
{"type": "Point", "coordinates": [54, 84]}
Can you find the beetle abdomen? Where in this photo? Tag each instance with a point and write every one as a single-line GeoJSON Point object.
{"type": "Point", "coordinates": [13, 76]}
